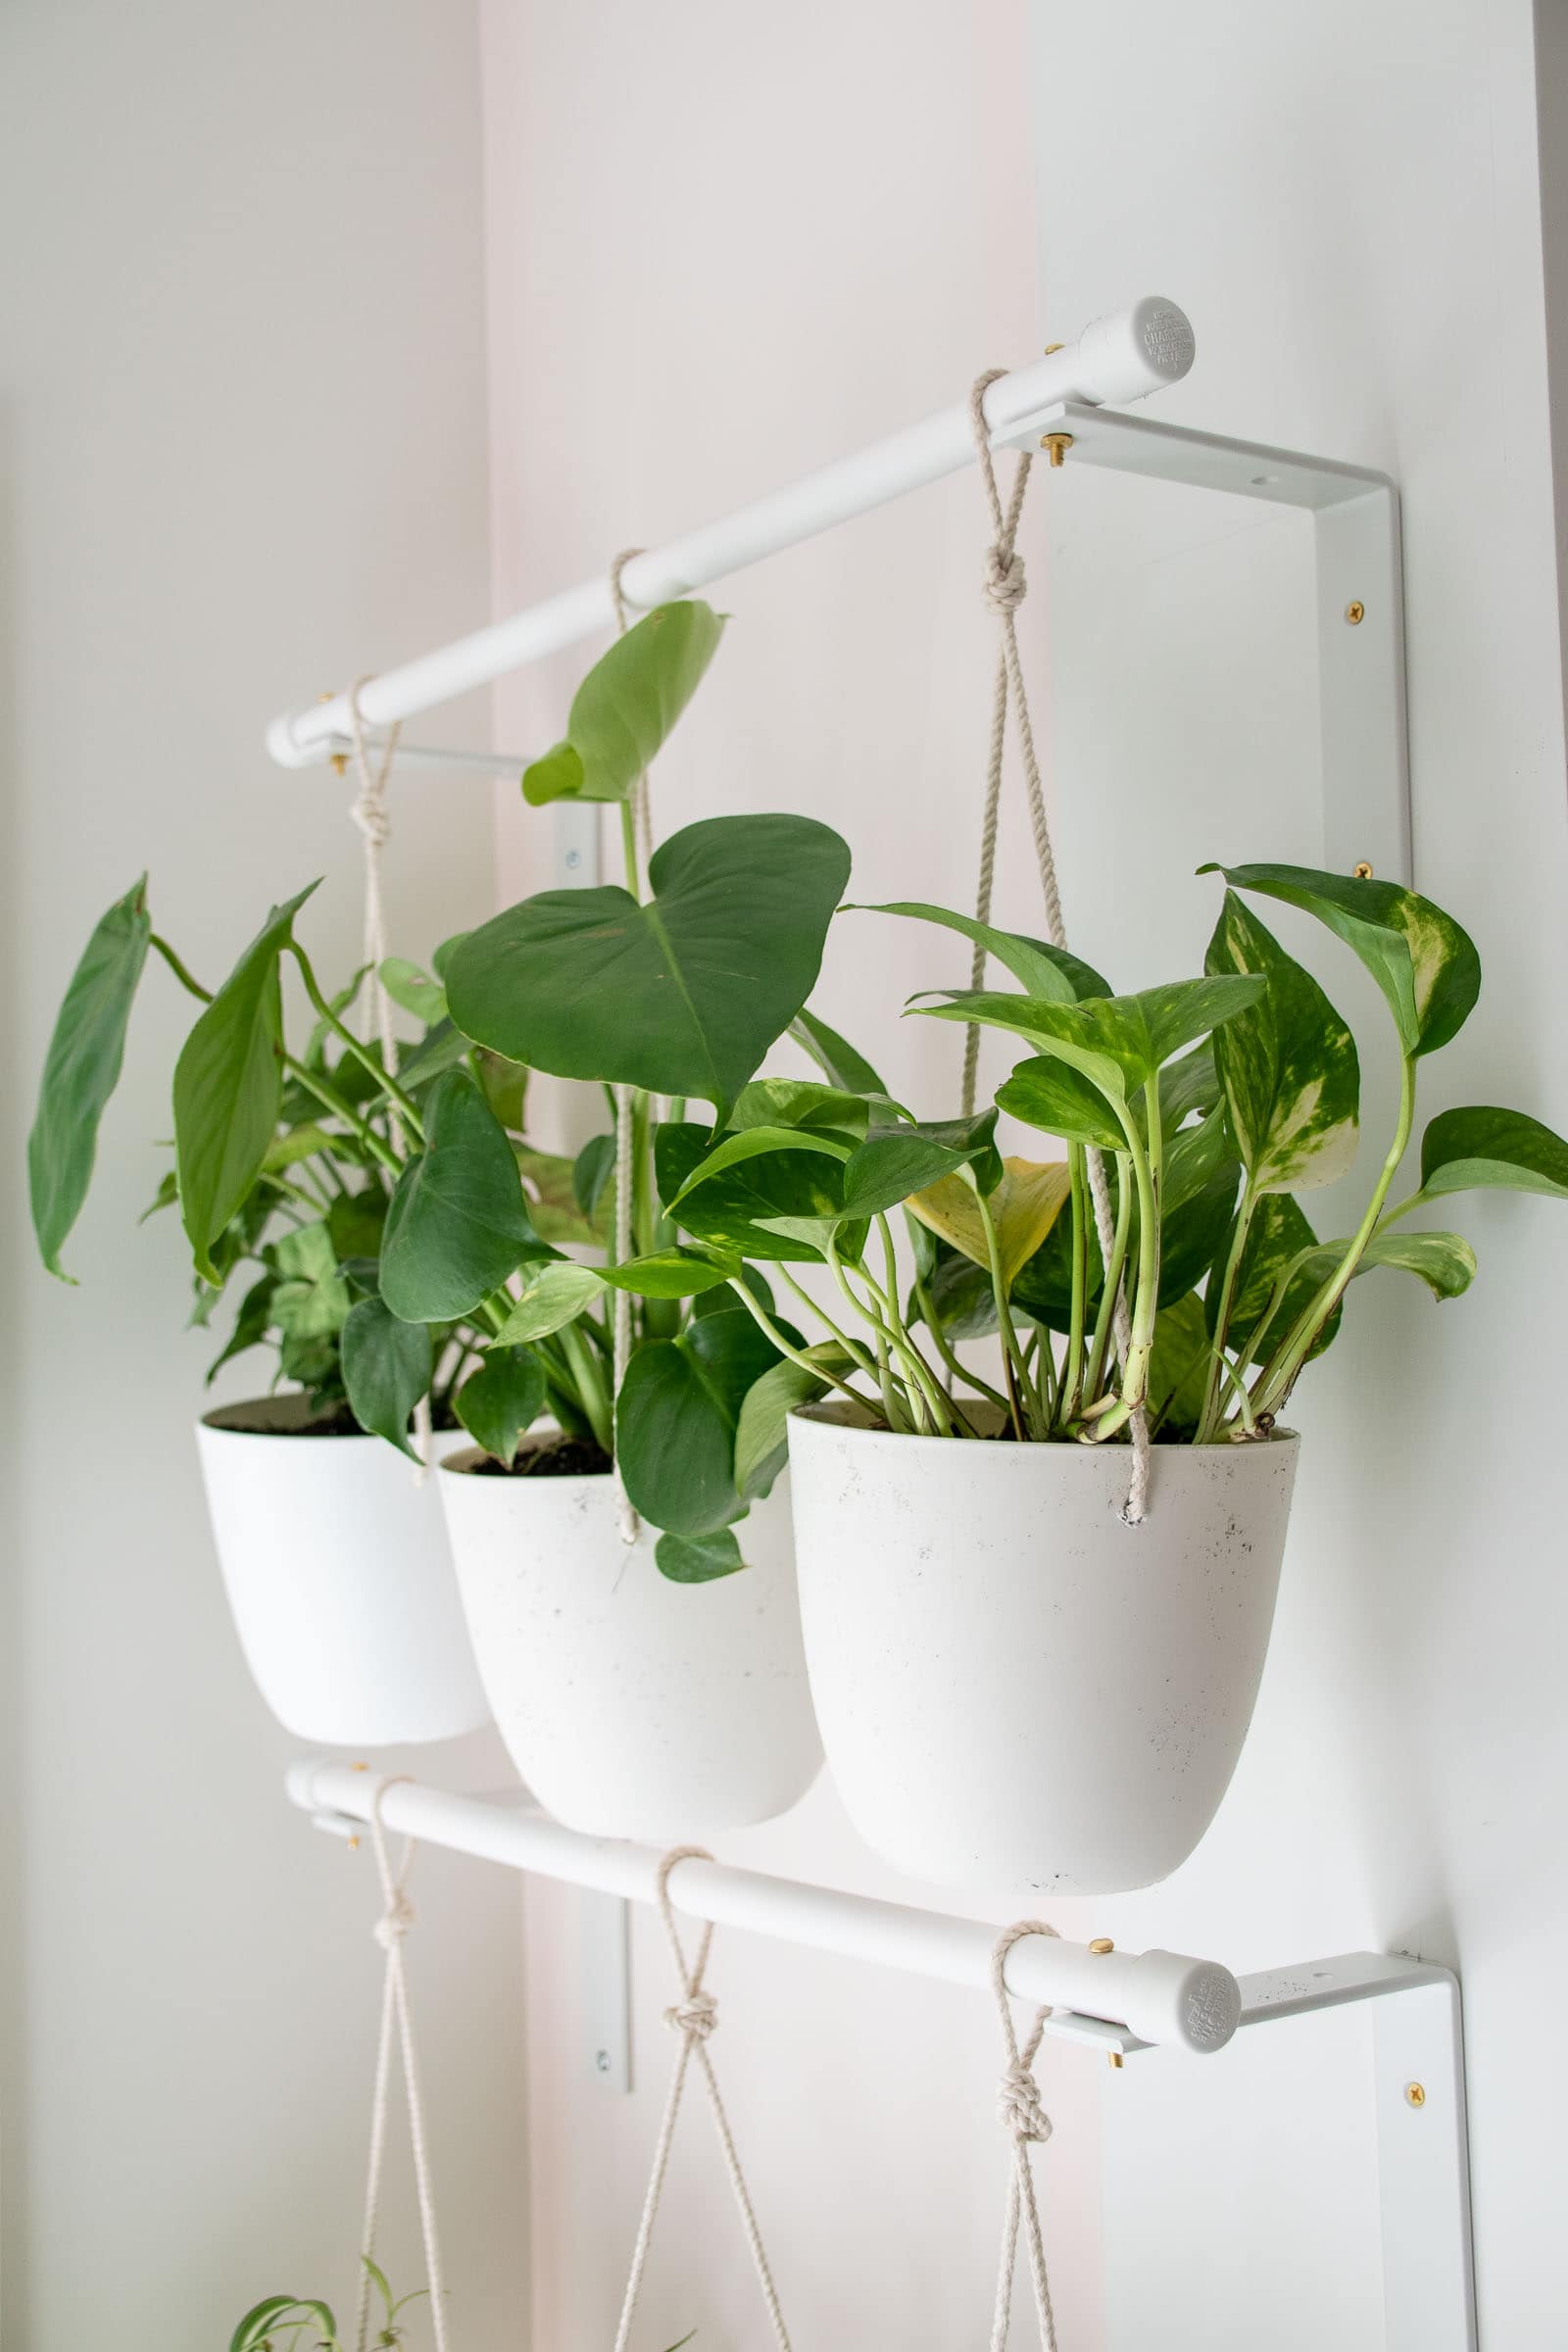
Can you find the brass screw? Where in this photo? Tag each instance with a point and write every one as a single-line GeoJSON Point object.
{"type": "Point", "coordinates": [1102, 1943]}
{"type": "Point", "coordinates": [1355, 613]}
{"type": "Point", "coordinates": [358, 1768]}
{"type": "Point", "coordinates": [1059, 445]}
{"type": "Point", "coordinates": [1362, 870]}
{"type": "Point", "coordinates": [1051, 347]}
{"type": "Point", "coordinates": [354, 1845]}
{"type": "Point", "coordinates": [1417, 2094]}
{"type": "Point", "coordinates": [1114, 2056]}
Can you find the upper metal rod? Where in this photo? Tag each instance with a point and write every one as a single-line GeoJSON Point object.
{"type": "Point", "coordinates": [1117, 358]}
{"type": "Point", "coordinates": [1163, 1998]}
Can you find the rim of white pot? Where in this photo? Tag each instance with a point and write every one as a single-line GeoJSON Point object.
{"type": "Point", "coordinates": [281, 1415]}
{"type": "Point", "coordinates": [855, 1423]}
{"type": "Point", "coordinates": [465, 1460]}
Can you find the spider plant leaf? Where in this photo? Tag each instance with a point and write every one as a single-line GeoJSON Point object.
{"type": "Point", "coordinates": [386, 1366]}
{"type": "Point", "coordinates": [1287, 1064]}
{"type": "Point", "coordinates": [622, 713]}
{"type": "Point", "coordinates": [228, 1087]}
{"type": "Point", "coordinates": [1427, 968]}
{"type": "Point", "coordinates": [458, 1224]}
{"type": "Point", "coordinates": [82, 1069]}
{"type": "Point", "coordinates": [682, 994]}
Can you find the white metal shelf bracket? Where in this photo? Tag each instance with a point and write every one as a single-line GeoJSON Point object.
{"type": "Point", "coordinates": [1360, 602]}
{"type": "Point", "coordinates": [1117, 2002]}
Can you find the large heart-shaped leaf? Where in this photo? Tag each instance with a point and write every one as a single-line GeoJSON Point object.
{"type": "Point", "coordinates": [503, 1399]}
{"type": "Point", "coordinates": [1024, 1206]}
{"type": "Point", "coordinates": [1476, 1147]}
{"type": "Point", "coordinates": [625, 708]}
{"type": "Point", "coordinates": [458, 1224]}
{"type": "Point", "coordinates": [228, 1087]}
{"type": "Point", "coordinates": [683, 994]}
{"type": "Point", "coordinates": [82, 1069]}
{"type": "Point", "coordinates": [1287, 1064]}
{"type": "Point", "coordinates": [386, 1369]}
{"type": "Point", "coordinates": [1426, 966]}
{"type": "Point", "coordinates": [1041, 969]}
{"type": "Point", "coordinates": [676, 1416]}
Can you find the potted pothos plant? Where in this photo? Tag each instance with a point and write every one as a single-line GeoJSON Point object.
{"type": "Point", "coordinates": [644, 1684]}
{"type": "Point", "coordinates": [285, 1165]}
{"type": "Point", "coordinates": [1011, 1682]}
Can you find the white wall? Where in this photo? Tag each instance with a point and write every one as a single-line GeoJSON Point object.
{"type": "Point", "coordinates": [722, 248]}
{"type": "Point", "coordinates": [243, 427]}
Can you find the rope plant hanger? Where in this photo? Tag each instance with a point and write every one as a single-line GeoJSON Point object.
{"type": "Point", "coordinates": [1004, 589]}
{"type": "Point", "coordinates": [640, 823]}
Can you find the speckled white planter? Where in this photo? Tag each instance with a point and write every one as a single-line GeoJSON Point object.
{"type": "Point", "coordinates": [1012, 1686]}
{"type": "Point", "coordinates": [340, 1580]}
{"type": "Point", "coordinates": [632, 1707]}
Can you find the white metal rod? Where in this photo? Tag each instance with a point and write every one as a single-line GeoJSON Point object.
{"type": "Point", "coordinates": [1163, 1997]}
{"type": "Point", "coordinates": [1117, 358]}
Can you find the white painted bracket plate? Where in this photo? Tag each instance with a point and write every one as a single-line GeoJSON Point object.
{"type": "Point", "coordinates": [575, 844]}
{"type": "Point", "coordinates": [604, 1979]}
{"type": "Point", "coordinates": [1355, 523]}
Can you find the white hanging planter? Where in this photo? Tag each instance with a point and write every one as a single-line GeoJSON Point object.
{"type": "Point", "coordinates": [339, 1578]}
{"type": "Point", "coordinates": [1012, 1684]}
{"type": "Point", "coordinates": [633, 1707]}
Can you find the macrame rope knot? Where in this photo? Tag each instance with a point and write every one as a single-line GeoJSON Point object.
{"type": "Point", "coordinates": [695, 2017]}
{"type": "Point", "coordinates": [395, 1921]}
{"type": "Point", "coordinates": [1004, 586]}
{"type": "Point", "coordinates": [1018, 2108]}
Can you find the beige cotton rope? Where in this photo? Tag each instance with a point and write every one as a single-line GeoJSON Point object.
{"type": "Point", "coordinates": [396, 2026]}
{"type": "Point", "coordinates": [694, 2017]}
{"type": "Point", "coordinates": [627, 1515]}
{"type": "Point", "coordinates": [1005, 588]}
{"type": "Point", "coordinates": [1026, 2124]}
{"type": "Point", "coordinates": [373, 819]}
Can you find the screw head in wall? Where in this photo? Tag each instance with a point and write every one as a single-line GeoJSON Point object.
{"type": "Point", "coordinates": [1362, 869]}
{"type": "Point", "coordinates": [602, 2061]}
{"type": "Point", "coordinates": [1415, 2094]}
{"type": "Point", "coordinates": [1355, 613]}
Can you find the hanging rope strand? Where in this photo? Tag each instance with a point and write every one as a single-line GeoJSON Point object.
{"type": "Point", "coordinates": [627, 1519]}
{"type": "Point", "coordinates": [694, 2018]}
{"type": "Point", "coordinates": [1024, 2120]}
{"type": "Point", "coordinates": [1005, 588]}
{"type": "Point", "coordinates": [397, 2023]}
{"type": "Point", "coordinates": [373, 819]}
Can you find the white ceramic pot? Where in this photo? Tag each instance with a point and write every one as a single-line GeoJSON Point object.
{"type": "Point", "coordinates": [633, 1707]}
{"type": "Point", "coordinates": [1012, 1686]}
{"type": "Point", "coordinates": [340, 1580]}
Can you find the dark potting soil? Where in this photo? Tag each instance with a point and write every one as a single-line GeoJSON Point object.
{"type": "Point", "coordinates": [549, 1458]}
{"type": "Point", "coordinates": [265, 1419]}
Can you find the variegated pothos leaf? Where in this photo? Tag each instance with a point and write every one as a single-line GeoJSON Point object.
{"type": "Point", "coordinates": [1287, 1064]}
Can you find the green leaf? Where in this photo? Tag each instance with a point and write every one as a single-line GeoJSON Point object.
{"type": "Point", "coordinates": [677, 1417]}
{"type": "Point", "coordinates": [1470, 1148]}
{"type": "Point", "coordinates": [1280, 1244]}
{"type": "Point", "coordinates": [356, 1221]}
{"type": "Point", "coordinates": [1426, 966]}
{"type": "Point", "coordinates": [386, 1369]}
{"type": "Point", "coordinates": [801, 1102]}
{"type": "Point", "coordinates": [305, 1142]}
{"type": "Point", "coordinates": [698, 1560]}
{"type": "Point", "coordinates": [673, 1273]}
{"type": "Point", "coordinates": [592, 1178]}
{"type": "Point", "coordinates": [458, 1224]}
{"type": "Point", "coordinates": [683, 994]}
{"type": "Point", "coordinates": [1443, 1261]}
{"type": "Point", "coordinates": [1024, 1206]}
{"type": "Point", "coordinates": [733, 1211]}
{"type": "Point", "coordinates": [834, 1056]}
{"type": "Point", "coordinates": [503, 1399]}
{"type": "Point", "coordinates": [1194, 1232]}
{"type": "Point", "coordinates": [414, 990]}
{"type": "Point", "coordinates": [504, 1086]}
{"type": "Point", "coordinates": [251, 1325]}
{"type": "Point", "coordinates": [228, 1087]}
{"type": "Point", "coordinates": [1193, 1156]}
{"type": "Point", "coordinates": [1287, 1064]}
{"type": "Point", "coordinates": [310, 1301]}
{"type": "Point", "coordinates": [1042, 970]}
{"type": "Point", "coordinates": [1188, 1085]}
{"type": "Point", "coordinates": [625, 708]}
{"type": "Point", "coordinates": [1062, 1101]}
{"type": "Point", "coordinates": [553, 1294]}
{"type": "Point", "coordinates": [167, 1195]}
{"type": "Point", "coordinates": [442, 956]}
{"type": "Point", "coordinates": [553, 1200]}
{"type": "Point", "coordinates": [761, 1434]}
{"type": "Point", "coordinates": [1118, 1042]}
{"type": "Point", "coordinates": [253, 2327]}
{"type": "Point", "coordinates": [441, 1049]}
{"type": "Point", "coordinates": [895, 1162]}
{"type": "Point", "coordinates": [82, 1069]}
{"type": "Point", "coordinates": [760, 1143]}
{"type": "Point", "coordinates": [1178, 1370]}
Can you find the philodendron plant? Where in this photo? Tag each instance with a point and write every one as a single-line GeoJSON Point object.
{"type": "Point", "coordinates": [1214, 1102]}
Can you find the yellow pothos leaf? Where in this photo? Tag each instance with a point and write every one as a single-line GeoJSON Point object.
{"type": "Point", "coordinates": [1024, 1206]}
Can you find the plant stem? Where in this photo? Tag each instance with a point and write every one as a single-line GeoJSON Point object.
{"type": "Point", "coordinates": [179, 969]}
{"type": "Point", "coordinates": [1110, 1284]}
{"type": "Point", "coordinates": [1072, 1370]}
{"type": "Point", "coordinates": [589, 1381]}
{"type": "Point", "coordinates": [1012, 1353]}
{"type": "Point", "coordinates": [919, 1378]}
{"type": "Point", "coordinates": [765, 1323]}
{"type": "Point", "coordinates": [408, 1110]}
{"type": "Point", "coordinates": [628, 847]}
{"type": "Point", "coordinates": [1278, 1376]}
{"type": "Point", "coordinates": [851, 1348]}
{"type": "Point", "coordinates": [330, 1099]}
{"type": "Point", "coordinates": [944, 1348]}
{"type": "Point", "coordinates": [1209, 1418]}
